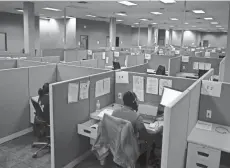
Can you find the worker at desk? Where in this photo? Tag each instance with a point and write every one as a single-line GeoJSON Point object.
{"type": "Point", "coordinates": [129, 112]}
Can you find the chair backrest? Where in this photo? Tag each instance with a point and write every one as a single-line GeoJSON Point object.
{"type": "Point", "coordinates": [37, 108]}
{"type": "Point", "coordinates": [160, 70]}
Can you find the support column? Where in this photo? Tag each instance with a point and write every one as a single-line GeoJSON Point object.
{"type": "Point", "coordinates": [150, 32]}
{"type": "Point", "coordinates": [156, 35]}
{"type": "Point", "coordinates": [112, 32]}
{"type": "Point", "coordinates": [139, 32]}
{"type": "Point", "coordinates": [170, 36]}
{"type": "Point", "coordinates": [182, 38]}
{"type": "Point", "coordinates": [29, 28]}
{"type": "Point", "coordinates": [226, 73]}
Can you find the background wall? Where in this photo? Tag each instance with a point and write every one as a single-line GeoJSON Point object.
{"type": "Point", "coordinates": [217, 39]}
{"type": "Point", "coordinates": [143, 36]}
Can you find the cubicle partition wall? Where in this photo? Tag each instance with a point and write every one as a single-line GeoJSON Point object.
{"type": "Point", "coordinates": [121, 57]}
{"type": "Point", "coordinates": [142, 68]}
{"type": "Point", "coordinates": [109, 58]}
{"type": "Point", "coordinates": [189, 66]}
{"type": "Point", "coordinates": [100, 57]}
{"type": "Point", "coordinates": [8, 64]}
{"type": "Point", "coordinates": [140, 59]}
{"type": "Point", "coordinates": [51, 59]}
{"type": "Point", "coordinates": [157, 60]}
{"type": "Point", "coordinates": [29, 63]}
{"type": "Point", "coordinates": [174, 82]}
{"type": "Point", "coordinates": [12, 54]}
{"type": "Point", "coordinates": [70, 55]}
{"type": "Point", "coordinates": [221, 70]}
{"type": "Point", "coordinates": [89, 63]}
{"type": "Point", "coordinates": [132, 60]}
{"type": "Point", "coordinates": [53, 52]}
{"type": "Point", "coordinates": [64, 137]}
{"type": "Point", "coordinates": [38, 59]}
{"type": "Point", "coordinates": [82, 54]}
{"type": "Point", "coordinates": [174, 65]}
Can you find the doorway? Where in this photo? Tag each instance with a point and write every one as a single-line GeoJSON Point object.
{"type": "Point", "coordinates": [161, 37]}
{"type": "Point", "coordinates": [84, 42]}
{"type": "Point", "coordinates": [205, 43]}
{"type": "Point", "coordinates": [117, 41]}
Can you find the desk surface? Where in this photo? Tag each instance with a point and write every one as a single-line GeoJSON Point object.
{"type": "Point", "coordinates": [187, 74]}
{"type": "Point", "coordinates": [35, 98]}
{"type": "Point", "coordinates": [211, 138]}
{"type": "Point", "coordinates": [95, 116]}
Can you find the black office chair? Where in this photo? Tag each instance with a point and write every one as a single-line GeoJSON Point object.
{"type": "Point", "coordinates": [160, 70]}
{"type": "Point", "coordinates": [116, 65]}
{"type": "Point", "coordinates": [41, 130]}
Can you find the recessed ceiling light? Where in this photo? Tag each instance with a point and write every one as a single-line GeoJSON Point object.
{"type": "Point", "coordinates": [136, 23]}
{"type": "Point", "coordinates": [198, 11]}
{"type": "Point", "coordinates": [208, 18]}
{"type": "Point", "coordinates": [156, 13]}
{"type": "Point", "coordinates": [218, 26]}
{"type": "Point", "coordinates": [91, 16]}
{"type": "Point", "coordinates": [193, 26]}
{"type": "Point", "coordinates": [173, 18]}
{"type": "Point", "coordinates": [69, 17]}
{"type": "Point", "coordinates": [45, 18]}
{"type": "Point", "coordinates": [154, 23]}
{"type": "Point", "coordinates": [186, 23]}
{"type": "Point", "coordinates": [127, 3]}
{"type": "Point", "coordinates": [144, 19]}
{"type": "Point", "coordinates": [132, 26]}
{"type": "Point", "coordinates": [119, 20]}
{"type": "Point", "coordinates": [171, 26]}
{"type": "Point", "coordinates": [19, 10]}
{"type": "Point", "coordinates": [52, 9]}
{"type": "Point", "coordinates": [222, 28]}
{"type": "Point", "coordinates": [121, 14]}
{"type": "Point", "coordinates": [214, 22]}
{"type": "Point", "coordinates": [168, 1]}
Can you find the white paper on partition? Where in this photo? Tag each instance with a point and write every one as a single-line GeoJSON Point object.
{"type": "Point", "coordinates": [106, 85]}
{"type": "Point", "coordinates": [116, 54]}
{"type": "Point", "coordinates": [107, 60]}
{"type": "Point", "coordinates": [163, 83]}
{"type": "Point", "coordinates": [122, 77]}
{"type": "Point", "coordinates": [211, 88]}
{"type": "Point", "coordinates": [90, 52]}
{"type": "Point", "coordinates": [138, 87]}
{"type": "Point", "coordinates": [84, 90]}
{"type": "Point", "coordinates": [152, 85]}
{"type": "Point", "coordinates": [73, 89]}
{"type": "Point", "coordinates": [207, 66]}
{"type": "Point", "coordinates": [201, 65]}
{"type": "Point", "coordinates": [196, 65]}
{"type": "Point", "coordinates": [103, 55]}
{"type": "Point", "coordinates": [148, 56]}
{"type": "Point", "coordinates": [185, 59]}
{"type": "Point", "coordinates": [99, 91]}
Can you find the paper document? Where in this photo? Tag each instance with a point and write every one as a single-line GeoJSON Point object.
{"type": "Point", "coordinates": [196, 65]}
{"type": "Point", "coordinates": [107, 60]}
{"type": "Point", "coordinates": [106, 85]}
{"type": "Point", "coordinates": [94, 126]}
{"type": "Point", "coordinates": [148, 56]}
{"type": "Point", "coordinates": [204, 125]}
{"type": "Point", "coordinates": [211, 88]}
{"type": "Point", "coordinates": [151, 71]}
{"type": "Point", "coordinates": [122, 77]}
{"type": "Point", "coordinates": [84, 90]}
{"type": "Point", "coordinates": [156, 124]}
{"type": "Point", "coordinates": [163, 83]}
{"type": "Point", "coordinates": [116, 54]}
{"type": "Point", "coordinates": [73, 89]}
{"type": "Point", "coordinates": [138, 87]}
{"type": "Point", "coordinates": [207, 54]}
{"type": "Point", "coordinates": [207, 66]}
{"type": "Point", "coordinates": [105, 111]}
{"type": "Point", "coordinates": [152, 85]}
{"type": "Point", "coordinates": [103, 55]}
{"type": "Point", "coordinates": [99, 91]}
{"type": "Point", "coordinates": [90, 52]}
{"type": "Point", "coordinates": [185, 59]}
{"type": "Point", "coordinates": [201, 65]}
{"type": "Point", "coordinates": [177, 52]}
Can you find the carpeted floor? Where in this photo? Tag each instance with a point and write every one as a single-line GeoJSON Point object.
{"type": "Point", "coordinates": [18, 154]}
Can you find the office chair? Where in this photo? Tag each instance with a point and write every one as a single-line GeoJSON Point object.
{"type": "Point", "coordinates": [116, 65]}
{"type": "Point", "coordinates": [117, 136]}
{"type": "Point", "coordinates": [41, 130]}
{"type": "Point", "coordinates": [160, 70]}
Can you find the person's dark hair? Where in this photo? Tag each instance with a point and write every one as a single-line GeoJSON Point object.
{"type": "Point", "coordinates": [130, 100]}
{"type": "Point", "coordinates": [44, 90]}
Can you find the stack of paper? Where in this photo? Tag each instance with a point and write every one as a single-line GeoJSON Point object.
{"type": "Point", "coordinates": [105, 111]}
{"type": "Point", "coordinates": [204, 125]}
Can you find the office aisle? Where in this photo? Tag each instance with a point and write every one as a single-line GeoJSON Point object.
{"type": "Point", "coordinates": [18, 154]}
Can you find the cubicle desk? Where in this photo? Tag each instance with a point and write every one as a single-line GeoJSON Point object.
{"type": "Point", "coordinates": [187, 75]}
{"type": "Point", "coordinates": [204, 147]}
{"type": "Point", "coordinates": [32, 110]}
{"type": "Point", "coordinates": [111, 67]}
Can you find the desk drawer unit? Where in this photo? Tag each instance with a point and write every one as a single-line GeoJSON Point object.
{"type": "Point", "coordinates": [200, 156]}
{"type": "Point", "coordinates": [85, 129]}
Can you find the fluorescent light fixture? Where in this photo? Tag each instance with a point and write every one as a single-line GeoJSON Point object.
{"type": "Point", "coordinates": [222, 28]}
{"type": "Point", "coordinates": [171, 26]}
{"type": "Point", "coordinates": [173, 18]}
{"type": "Point", "coordinates": [208, 18]}
{"type": "Point", "coordinates": [214, 22]}
{"type": "Point", "coordinates": [91, 16]}
{"type": "Point", "coordinates": [198, 11]}
{"type": "Point", "coordinates": [154, 23]}
{"type": "Point", "coordinates": [121, 14]}
{"type": "Point", "coordinates": [119, 20]}
{"type": "Point", "coordinates": [19, 10]}
{"type": "Point", "coordinates": [168, 1]}
{"type": "Point", "coordinates": [44, 18]}
{"type": "Point", "coordinates": [136, 23]}
{"type": "Point", "coordinates": [144, 19]}
{"type": "Point", "coordinates": [127, 3]}
{"type": "Point", "coordinates": [193, 26]}
{"type": "Point", "coordinates": [218, 26]}
{"type": "Point", "coordinates": [52, 9]}
{"type": "Point", "coordinates": [186, 23]}
{"type": "Point", "coordinates": [68, 17]}
{"type": "Point", "coordinates": [156, 13]}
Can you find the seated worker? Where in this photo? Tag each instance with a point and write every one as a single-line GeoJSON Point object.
{"type": "Point", "coordinates": [43, 101]}
{"type": "Point", "coordinates": [129, 112]}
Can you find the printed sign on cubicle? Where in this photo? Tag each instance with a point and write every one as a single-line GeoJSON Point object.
{"type": "Point", "coordinates": [148, 56]}
{"type": "Point", "coordinates": [90, 52]}
{"type": "Point", "coordinates": [116, 54]}
{"type": "Point", "coordinates": [211, 88]}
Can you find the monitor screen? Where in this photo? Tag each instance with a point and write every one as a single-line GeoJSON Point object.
{"type": "Point", "coordinates": [168, 96]}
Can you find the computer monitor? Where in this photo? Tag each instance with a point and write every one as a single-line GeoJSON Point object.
{"type": "Point", "coordinates": [201, 72]}
{"type": "Point", "coordinates": [160, 70]}
{"type": "Point", "coordinates": [116, 65]}
{"type": "Point", "coordinates": [168, 96]}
